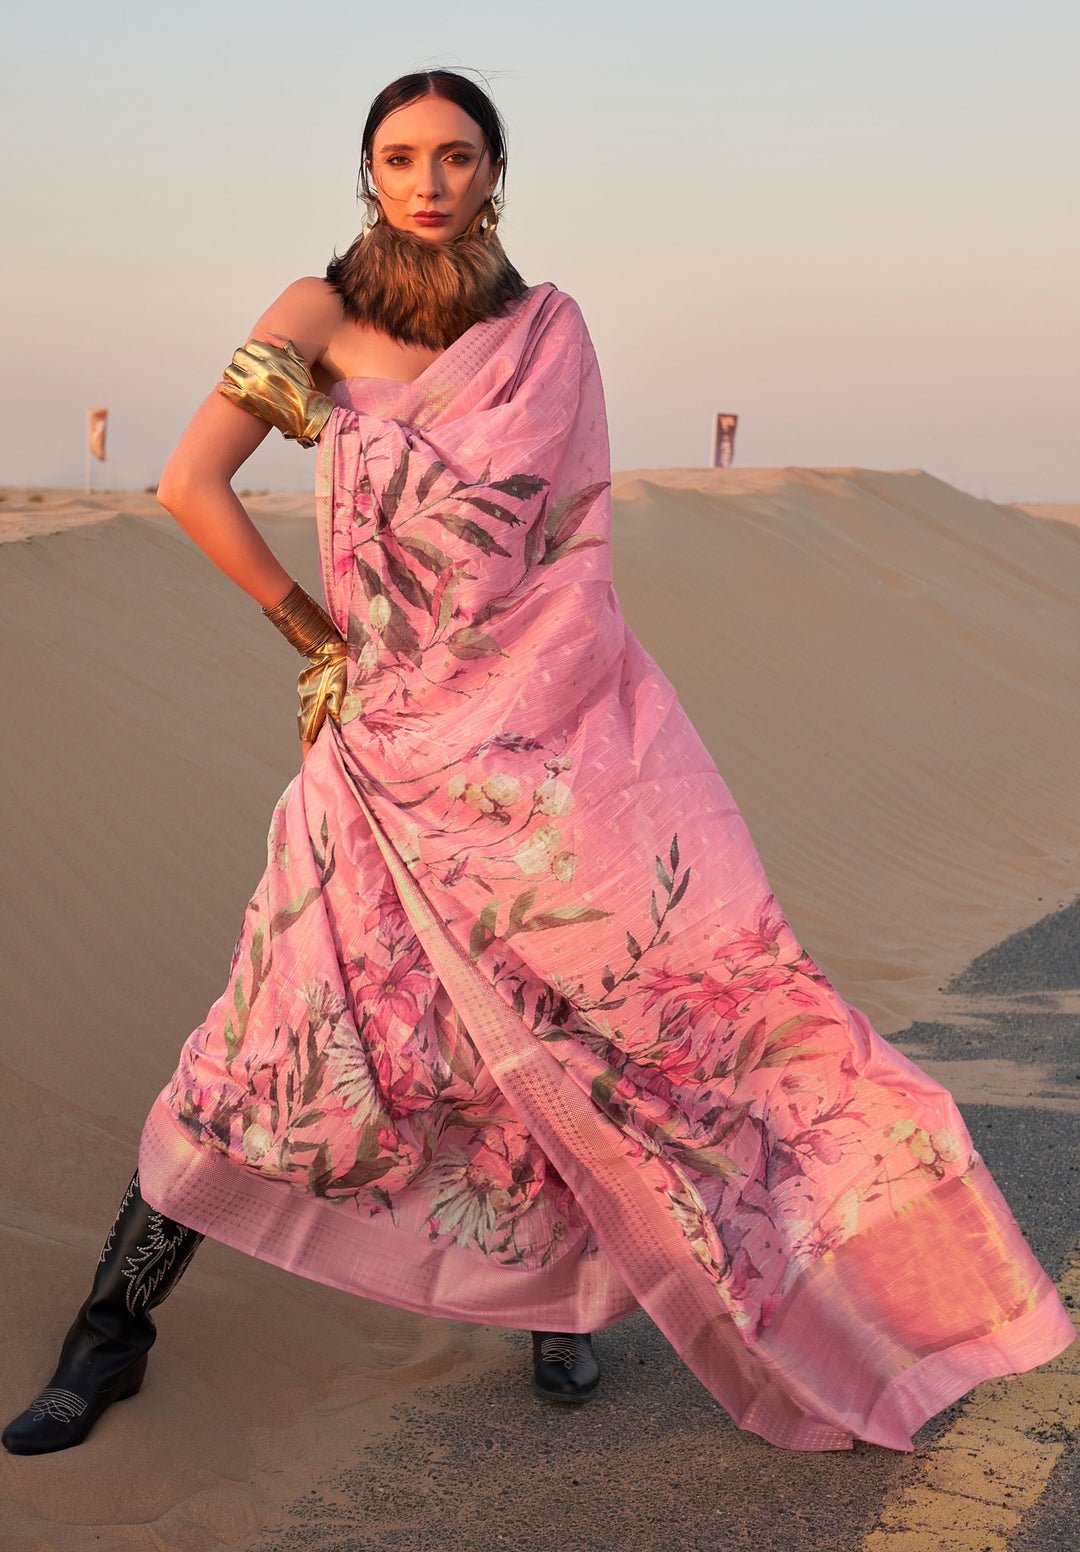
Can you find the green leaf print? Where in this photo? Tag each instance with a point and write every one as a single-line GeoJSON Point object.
{"type": "Point", "coordinates": [260, 968]}
{"type": "Point", "coordinates": [784, 1043]}
{"type": "Point", "coordinates": [469, 643]}
{"type": "Point", "coordinates": [427, 480]}
{"type": "Point", "coordinates": [394, 488]}
{"type": "Point", "coordinates": [523, 903]}
{"type": "Point", "coordinates": [563, 916]}
{"type": "Point", "coordinates": [316, 1062]}
{"type": "Point", "coordinates": [428, 555]}
{"type": "Point", "coordinates": [560, 551]}
{"type": "Point", "coordinates": [409, 586]}
{"type": "Point", "coordinates": [240, 1003]}
{"type": "Point", "coordinates": [520, 486]}
{"type": "Point", "coordinates": [399, 636]}
{"type": "Point", "coordinates": [492, 509]}
{"type": "Point", "coordinates": [502, 608]}
{"type": "Point", "coordinates": [370, 579]}
{"type": "Point", "coordinates": [705, 1161]}
{"type": "Point", "coordinates": [567, 515]}
{"type": "Point", "coordinates": [320, 1171]}
{"type": "Point", "coordinates": [464, 528]}
{"type": "Point", "coordinates": [483, 933]}
{"type": "Point", "coordinates": [360, 1174]}
{"type": "Point", "coordinates": [442, 599]}
{"type": "Point", "coordinates": [603, 1086]}
{"type": "Point", "coordinates": [450, 1045]}
{"type": "Point", "coordinates": [232, 1041]}
{"type": "Point", "coordinates": [534, 539]}
{"type": "Point", "coordinates": [745, 1054]}
{"type": "Point", "coordinates": [282, 920]}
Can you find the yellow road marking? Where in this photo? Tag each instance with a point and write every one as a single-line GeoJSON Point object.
{"type": "Point", "coordinates": [993, 1464]}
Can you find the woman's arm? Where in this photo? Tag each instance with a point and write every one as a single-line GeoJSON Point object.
{"type": "Point", "coordinates": [196, 484]}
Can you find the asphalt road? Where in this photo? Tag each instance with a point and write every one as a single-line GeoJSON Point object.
{"type": "Point", "coordinates": [653, 1464]}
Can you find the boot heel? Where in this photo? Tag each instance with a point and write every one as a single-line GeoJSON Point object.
{"type": "Point", "coordinates": [133, 1379]}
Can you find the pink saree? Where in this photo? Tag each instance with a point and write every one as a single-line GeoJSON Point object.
{"type": "Point", "coordinates": [515, 1030]}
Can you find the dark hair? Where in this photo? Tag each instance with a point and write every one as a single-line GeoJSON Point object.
{"type": "Point", "coordinates": [472, 99]}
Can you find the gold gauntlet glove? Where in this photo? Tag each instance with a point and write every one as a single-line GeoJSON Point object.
{"type": "Point", "coordinates": [307, 627]}
{"type": "Point", "coordinates": [274, 383]}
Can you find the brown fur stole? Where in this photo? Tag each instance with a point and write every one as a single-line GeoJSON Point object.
{"type": "Point", "coordinates": [422, 292]}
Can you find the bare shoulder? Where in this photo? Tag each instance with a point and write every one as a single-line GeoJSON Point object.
{"type": "Point", "coordinates": [308, 312]}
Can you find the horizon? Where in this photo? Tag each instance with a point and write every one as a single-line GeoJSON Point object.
{"type": "Point", "coordinates": [846, 227]}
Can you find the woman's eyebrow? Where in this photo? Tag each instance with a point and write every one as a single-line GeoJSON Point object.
{"type": "Point", "coordinates": [447, 145]}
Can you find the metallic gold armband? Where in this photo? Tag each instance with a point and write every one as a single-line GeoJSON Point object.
{"type": "Point", "coordinates": [274, 382]}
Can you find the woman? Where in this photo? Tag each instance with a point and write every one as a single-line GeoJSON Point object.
{"type": "Point", "coordinates": [515, 1030]}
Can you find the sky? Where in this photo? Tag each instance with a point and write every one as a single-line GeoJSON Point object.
{"type": "Point", "coordinates": [853, 224]}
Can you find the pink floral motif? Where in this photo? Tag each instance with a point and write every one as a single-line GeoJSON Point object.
{"type": "Point", "coordinates": [387, 919]}
{"type": "Point", "coordinates": [511, 757]}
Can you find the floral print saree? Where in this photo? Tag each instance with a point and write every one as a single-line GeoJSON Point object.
{"type": "Point", "coordinates": [515, 1030]}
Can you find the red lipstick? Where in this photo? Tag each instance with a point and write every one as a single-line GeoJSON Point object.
{"type": "Point", "coordinates": [430, 217]}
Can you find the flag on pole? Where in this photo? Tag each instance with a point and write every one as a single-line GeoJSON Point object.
{"type": "Point", "coordinates": [724, 441]}
{"type": "Point", "coordinates": [95, 433]}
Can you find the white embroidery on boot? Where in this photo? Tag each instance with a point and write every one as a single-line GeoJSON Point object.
{"type": "Point", "coordinates": [63, 1406]}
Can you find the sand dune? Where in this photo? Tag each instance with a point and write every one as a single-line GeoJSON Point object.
{"type": "Point", "coordinates": [886, 672]}
{"type": "Point", "coordinates": [1057, 511]}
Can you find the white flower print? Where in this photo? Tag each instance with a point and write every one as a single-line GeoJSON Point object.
{"type": "Point", "coordinates": [946, 1145]}
{"type": "Point", "coordinates": [535, 854]}
{"type": "Point", "coordinates": [475, 797]}
{"type": "Point", "coordinates": [350, 1077]}
{"type": "Point", "coordinates": [554, 797]}
{"type": "Point", "coordinates": [463, 1199]}
{"type": "Point", "coordinates": [921, 1146]}
{"type": "Point", "coordinates": [503, 790]}
{"type": "Point", "coordinates": [256, 1142]}
{"type": "Point", "coordinates": [324, 1006]}
{"type": "Point", "coordinates": [563, 864]}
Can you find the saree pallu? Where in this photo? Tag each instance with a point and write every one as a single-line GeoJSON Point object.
{"type": "Point", "coordinates": [515, 1030]}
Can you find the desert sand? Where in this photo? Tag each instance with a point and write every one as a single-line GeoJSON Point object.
{"type": "Point", "coordinates": [886, 672]}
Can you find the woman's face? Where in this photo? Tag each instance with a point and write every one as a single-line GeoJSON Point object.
{"type": "Point", "coordinates": [431, 169]}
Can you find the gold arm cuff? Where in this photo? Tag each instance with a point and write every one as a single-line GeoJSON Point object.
{"type": "Point", "coordinates": [274, 383]}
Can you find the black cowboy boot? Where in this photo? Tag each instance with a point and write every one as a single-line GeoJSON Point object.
{"type": "Point", "coordinates": [564, 1366]}
{"type": "Point", "coordinates": [103, 1358]}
